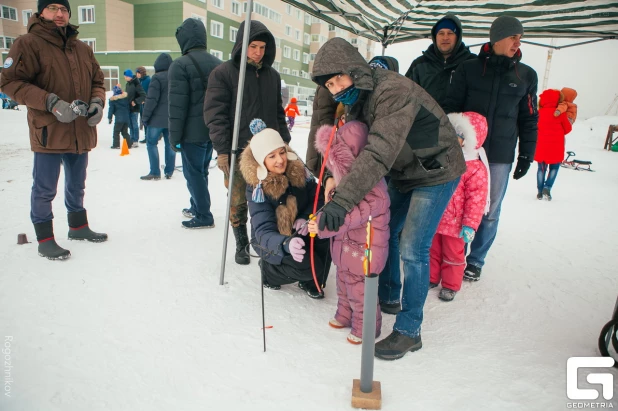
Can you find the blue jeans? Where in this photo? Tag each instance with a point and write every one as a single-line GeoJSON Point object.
{"type": "Point", "coordinates": [415, 216]}
{"type": "Point", "coordinates": [45, 175]}
{"type": "Point", "coordinates": [152, 139]}
{"type": "Point", "coordinates": [486, 234]}
{"type": "Point", "coordinates": [195, 160]}
{"type": "Point", "coordinates": [134, 127]}
{"type": "Point", "coordinates": [541, 182]}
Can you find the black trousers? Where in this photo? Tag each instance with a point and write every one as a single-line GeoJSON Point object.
{"type": "Point", "coordinates": [124, 129]}
{"type": "Point", "coordinates": [291, 271]}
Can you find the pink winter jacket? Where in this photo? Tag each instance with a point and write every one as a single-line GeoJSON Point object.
{"type": "Point", "coordinates": [348, 245]}
{"type": "Point", "coordinates": [467, 205]}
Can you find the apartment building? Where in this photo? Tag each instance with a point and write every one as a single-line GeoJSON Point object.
{"type": "Point", "coordinates": [130, 33]}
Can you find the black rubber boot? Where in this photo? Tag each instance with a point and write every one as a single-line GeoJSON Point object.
{"type": "Point", "coordinates": [242, 241]}
{"type": "Point", "coordinates": [79, 230]}
{"type": "Point", "coordinates": [48, 247]}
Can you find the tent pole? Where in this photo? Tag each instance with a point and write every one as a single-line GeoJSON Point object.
{"type": "Point", "coordinates": [239, 97]}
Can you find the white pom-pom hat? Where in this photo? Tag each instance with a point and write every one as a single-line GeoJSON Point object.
{"type": "Point", "coordinates": [262, 144]}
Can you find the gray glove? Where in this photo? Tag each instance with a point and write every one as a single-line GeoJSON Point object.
{"type": "Point", "coordinates": [60, 108]}
{"type": "Point", "coordinates": [95, 112]}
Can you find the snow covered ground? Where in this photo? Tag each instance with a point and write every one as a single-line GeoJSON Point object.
{"type": "Point", "coordinates": [141, 323]}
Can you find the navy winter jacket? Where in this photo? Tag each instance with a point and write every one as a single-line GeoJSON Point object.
{"type": "Point", "coordinates": [156, 108]}
{"type": "Point", "coordinates": [119, 107]}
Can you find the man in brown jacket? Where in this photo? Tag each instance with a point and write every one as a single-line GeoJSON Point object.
{"type": "Point", "coordinates": [57, 77]}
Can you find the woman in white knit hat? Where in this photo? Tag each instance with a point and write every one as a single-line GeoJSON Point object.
{"type": "Point", "coordinates": [280, 198]}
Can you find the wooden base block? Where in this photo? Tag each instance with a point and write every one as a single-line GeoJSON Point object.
{"type": "Point", "coordinates": [368, 401]}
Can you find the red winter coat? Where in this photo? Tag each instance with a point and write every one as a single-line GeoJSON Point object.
{"type": "Point", "coordinates": [468, 202]}
{"type": "Point", "coordinates": [550, 142]}
{"type": "Point", "coordinates": [292, 109]}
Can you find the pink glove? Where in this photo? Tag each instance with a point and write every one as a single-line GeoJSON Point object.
{"type": "Point", "coordinates": [295, 247]}
{"type": "Point", "coordinates": [298, 226]}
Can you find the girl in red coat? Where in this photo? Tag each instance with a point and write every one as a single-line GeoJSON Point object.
{"type": "Point", "coordinates": [550, 142]}
{"type": "Point", "coordinates": [464, 212]}
{"type": "Point", "coordinates": [291, 111]}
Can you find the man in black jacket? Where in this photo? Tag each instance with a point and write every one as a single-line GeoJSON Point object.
{"type": "Point", "coordinates": [433, 70]}
{"type": "Point", "coordinates": [188, 80]}
{"type": "Point", "coordinates": [498, 86]}
{"type": "Point", "coordinates": [136, 96]}
{"type": "Point", "coordinates": [261, 99]}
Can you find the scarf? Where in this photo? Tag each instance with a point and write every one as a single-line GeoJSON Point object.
{"type": "Point", "coordinates": [348, 96]}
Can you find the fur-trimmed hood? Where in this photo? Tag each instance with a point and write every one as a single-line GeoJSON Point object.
{"type": "Point", "coordinates": [119, 96]}
{"type": "Point", "coordinates": [473, 127]}
{"type": "Point", "coordinates": [347, 144]}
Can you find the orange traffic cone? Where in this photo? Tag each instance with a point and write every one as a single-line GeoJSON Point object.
{"type": "Point", "coordinates": [125, 148]}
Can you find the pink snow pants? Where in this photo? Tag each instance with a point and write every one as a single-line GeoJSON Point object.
{"type": "Point", "coordinates": [447, 261]}
{"type": "Point", "coordinates": [351, 293]}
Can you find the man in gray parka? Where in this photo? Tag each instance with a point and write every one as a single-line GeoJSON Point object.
{"type": "Point", "coordinates": [412, 140]}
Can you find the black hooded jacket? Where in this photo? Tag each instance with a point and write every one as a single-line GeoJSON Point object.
{"type": "Point", "coordinates": [261, 95]}
{"type": "Point", "coordinates": [186, 87]}
{"type": "Point", "coordinates": [135, 93]}
{"type": "Point", "coordinates": [156, 110]}
{"type": "Point", "coordinates": [503, 90]}
{"type": "Point", "coordinates": [431, 71]}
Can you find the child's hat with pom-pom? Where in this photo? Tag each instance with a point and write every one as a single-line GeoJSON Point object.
{"type": "Point", "coordinates": [264, 141]}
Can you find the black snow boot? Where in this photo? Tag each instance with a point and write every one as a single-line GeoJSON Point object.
{"type": "Point", "coordinates": [242, 241]}
{"type": "Point", "coordinates": [48, 247]}
{"type": "Point", "coordinates": [79, 230]}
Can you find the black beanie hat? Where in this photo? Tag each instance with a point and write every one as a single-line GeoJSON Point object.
{"type": "Point", "coordinates": [41, 4]}
{"type": "Point", "coordinates": [321, 80]}
{"type": "Point", "coordinates": [260, 37]}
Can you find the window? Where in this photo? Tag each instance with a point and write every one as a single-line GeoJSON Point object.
{"type": "Point", "coordinates": [25, 16]}
{"type": "Point", "coordinates": [307, 19]}
{"type": "Point", "coordinates": [218, 54]}
{"type": "Point", "coordinates": [287, 51]}
{"type": "Point", "coordinates": [198, 17]}
{"type": "Point", "coordinates": [296, 55]}
{"type": "Point", "coordinates": [297, 34]}
{"type": "Point", "coordinates": [111, 76]}
{"type": "Point", "coordinates": [323, 39]}
{"type": "Point", "coordinates": [288, 30]}
{"type": "Point", "coordinates": [276, 65]}
{"type": "Point", "coordinates": [305, 58]}
{"type": "Point", "coordinates": [288, 9]}
{"type": "Point", "coordinates": [216, 29]}
{"type": "Point", "coordinates": [307, 38]}
{"type": "Point", "coordinates": [9, 13]}
{"type": "Point", "coordinates": [236, 8]}
{"type": "Point", "coordinates": [312, 56]}
{"type": "Point", "coordinates": [354, 42]}
{"type": "Point", "coordinates": [218, 4]}
{"type": "Point", "coordinates": [263, 11]}
{"type": "Point", "coordinates": [6, 42]}
{"type": "Point", "coordinates": [331, 27]}
{"type": "Point", "coordinates": [278, 41]}
{"type": "Point", "coordinates": [315, 37]}
{"type": "Point", "coordinates": [295, 73]}
{"type": "Point", "coordinates": [91, 42]}
{"type": "Point", "coordinates": [315, 20]}
{"type": "Point", "coordinates": [299, 14]}
{"type": "Point", "coordinates": [286, 70]}
{"type": "Point", "coordinates": [233, 33]}
{"type": "Point", "coordinates": [86, 14]}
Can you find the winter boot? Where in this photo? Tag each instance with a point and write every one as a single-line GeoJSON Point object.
{"type": "Point", "coordinates": [335, 324]}
{"type": "Point", "coordinates": [472, 273]}
{"type": "Point", "coordinates": [546, 194]}
{"type": "Point", "coordinates": [432, 285]}
{"type": "Point", "coordinates": [48, 247]}
{"type": "Point", "coordinates": [79, 230]}
{"type": "Point", "coordinates": [539, 196]}
{"type": "Point", "coordinates": [352, 339]}
{"type": "Point", "coordinates": [390, 308]}
{"type": "Point", "coordinates": [447, 294]}
{"type": "Point", "coordinates": [310, 288]}
{"type": "Point", "coordinates": [242, 241]}
{"type": "Point", "coordinates": [397, 345]}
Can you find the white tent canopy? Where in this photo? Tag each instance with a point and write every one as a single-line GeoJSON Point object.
{"type": "Point", "coordinates": [393, 21]}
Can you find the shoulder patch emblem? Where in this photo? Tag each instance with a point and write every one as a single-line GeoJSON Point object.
{"type": "Point", "coordinates": [8, 63]}
{"type": "Point", "coordinates": [513, 85]}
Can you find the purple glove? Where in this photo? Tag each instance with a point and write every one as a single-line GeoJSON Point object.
{"type": "Point", "coordinates": [295, 247]}
{"type": "Point", "coordinates": [300, 228]}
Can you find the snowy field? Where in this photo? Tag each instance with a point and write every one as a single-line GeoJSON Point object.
{"type": "Point", "coordinates": [141, 323]}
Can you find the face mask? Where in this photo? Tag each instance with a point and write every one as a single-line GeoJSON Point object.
{"type": "Point", "coordinates": [348, 96]}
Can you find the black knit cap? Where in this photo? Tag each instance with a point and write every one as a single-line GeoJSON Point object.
{"type": "Point", "coordinates": [44, 3]}
{"type": "Point", "coordinates": [260, 37]}
{"type": "Point", "coordinates": [321, 80]}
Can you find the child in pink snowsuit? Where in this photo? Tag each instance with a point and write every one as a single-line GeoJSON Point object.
{"type": "Point", "coordinates": [464, 212]}
{"type": "Point", "coordinates": [348, 244]}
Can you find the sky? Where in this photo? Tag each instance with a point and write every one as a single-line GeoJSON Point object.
{"type": "Point", "coordinates": [591, 69]}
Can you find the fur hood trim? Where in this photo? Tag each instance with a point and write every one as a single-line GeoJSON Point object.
{"type": "Point", "coordinates": [274, 185]}
{"type": "Point", "coordinates": [347, 144]}
{"type": "Point", "coordinates": [473, 127]}
{"type": "Point", "coordinates": [118, 97]}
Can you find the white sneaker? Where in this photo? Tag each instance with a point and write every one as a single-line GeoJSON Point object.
{"type": "Point", "coordinates": [352, 339]}
{"type": "Point", "coordinates": [335, 324]}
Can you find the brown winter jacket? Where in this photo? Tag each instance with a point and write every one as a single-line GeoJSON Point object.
{"type": "Point", "coordinates": [50, 60]}
{"type": "Point", "coordinates": [324, 108]}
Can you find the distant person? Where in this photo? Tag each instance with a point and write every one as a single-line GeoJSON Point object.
{"type": "Point", "coordinates": [550, 145]}
{"type": "Point", "coordinates": [261, 99]}
{"type": "Point", "coordinates": [156, 120]}
{"type": "Point", "coordinates": [65, 103]}
{"type": "Point", "coordinates": [144, 80]}
{"type": "Point", "coordinates": [567, 105]}
{"type": "Point", "coordinates": [136, 96]}
{"type": "Point", "coordinates": [291, 111]}
{"type": "Point", "coordinates": [434, 69]}
{"type": "Point", "coordinates": [188, 82]}
{"type": "Point", "coordinates": [503, 90]}
{"type": "Point", "coordinates": [119, 108]}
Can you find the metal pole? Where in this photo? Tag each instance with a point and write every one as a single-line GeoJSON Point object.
{"type": "Point", "coordinates": [369, 332]}
{"type": "Point", "coordinates": [239, 95]}
{"type": "Point", "coordinates": [263, 316]}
